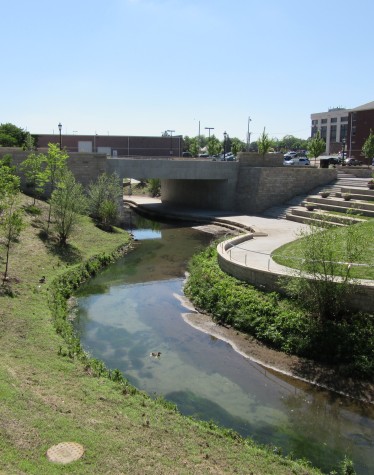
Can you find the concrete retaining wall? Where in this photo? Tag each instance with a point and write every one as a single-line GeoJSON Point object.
{"type": "Point", "coordinates": [362, 300]}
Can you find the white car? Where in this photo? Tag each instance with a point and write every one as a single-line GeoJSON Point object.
{"type": "Point", "coordinates": [297, 161]}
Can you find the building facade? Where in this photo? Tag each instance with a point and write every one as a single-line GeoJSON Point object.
{"type": "Point", "coordinates": [345, 129]}
{"type": "Point", "coordinates": [115, 145]}
{"type": "Point", "coordinates": [332, 126]}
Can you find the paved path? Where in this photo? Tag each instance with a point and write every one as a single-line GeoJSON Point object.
{"type": "Point", "coordinates": [255, 253]}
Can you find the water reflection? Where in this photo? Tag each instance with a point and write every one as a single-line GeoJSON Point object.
{"type": "Point", "coordinates": [131, 310]}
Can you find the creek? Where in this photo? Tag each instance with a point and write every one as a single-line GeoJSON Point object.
{"type": "Point", "coordinates": [135, 307]}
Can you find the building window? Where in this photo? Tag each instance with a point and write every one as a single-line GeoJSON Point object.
{"type": "Point", "coordinates": [334, 120]}
{"type": "Point", "coordinates": [343, 131]}
{"type": "Point", "coordinates": [333, 133]}
{"type": "Point", "coordinates": [324, 132]}
{"type": "Point", "coordinates": [344, 119]}
{"type": "Point", "coordinates": [324, 121]}
{"type": "Point", "coordinates": [315, 122]}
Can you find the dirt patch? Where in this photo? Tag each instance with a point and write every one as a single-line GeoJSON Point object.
{"type": "Point", "coordinates": [300, 368]}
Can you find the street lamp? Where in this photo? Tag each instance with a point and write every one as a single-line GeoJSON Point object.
{"type": "Point", "coordinates": [171, 141]}
{"type": "Point", "coordinates": [60, 128]}
{"type": "Point", "coordinates": [224, 145]}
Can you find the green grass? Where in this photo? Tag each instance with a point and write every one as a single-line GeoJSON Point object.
{"type": "Point", "coordinates": [291, 254]}
{"type": "Point", "coordinates": [47, 396]}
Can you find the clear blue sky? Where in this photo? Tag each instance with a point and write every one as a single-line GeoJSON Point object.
{"type": "Point", "coordinates": [139, 67]}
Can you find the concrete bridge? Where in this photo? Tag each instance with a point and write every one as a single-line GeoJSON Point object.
{"type": "Point", "coordinates": [250, 185]}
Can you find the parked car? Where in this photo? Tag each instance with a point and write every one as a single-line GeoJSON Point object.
{"type": "Point", "coordinates": [334, 160]}
{"type": "Point", "coordinates": [289, 155]}
{"type": "Point", "coordinates": [296, 161]}
{"type": "Point", "coordinates": [352, 162]}
{"type": "Point", "coordinates": [203, 155]}
{"type": "Point", "coordinates": [186, 154]}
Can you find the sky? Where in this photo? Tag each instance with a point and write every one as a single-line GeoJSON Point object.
{"type": "Point", "coordinates": [140, 67]}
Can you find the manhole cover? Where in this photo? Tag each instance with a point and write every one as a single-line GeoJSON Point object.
{"type": "Point", "coordinates": [65, 452]}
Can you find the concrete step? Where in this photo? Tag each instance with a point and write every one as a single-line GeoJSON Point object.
{"type": "Point", "coordinates": [323, 216]}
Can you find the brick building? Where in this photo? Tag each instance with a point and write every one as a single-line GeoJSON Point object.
{"type": "Point", "coordinates": [350, 125]}
{"type": "Point", "coordinates": [115, 145]}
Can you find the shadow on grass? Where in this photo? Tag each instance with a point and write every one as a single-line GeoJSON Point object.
{"type": "Point", "coordinates": [67, 253]}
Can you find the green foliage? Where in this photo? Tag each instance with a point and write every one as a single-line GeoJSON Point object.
{"type": "Point", "coordinates": [347, 467]}
{"type": "Point", "coordinates": [154, 186]}
{"type": "Point", "coordinates": [194, 146]}
{"type": "Point", "coordinates": [279, 322]}
{"type": "Point", "coordinates": [368, 147]}
{"type": "Point", "coordinates": [104, 198]}
{"type": "Point", "coordinates": [11, 135]}
{"type": "Point", "coordinates": [68, 202]}
{"type": "Point", "coordinates": [237, 146]}
{"type": "Point", "coordinates": [29, 143]}
{"type": "Point", "coordinates": [324, 283]}
{"type": "Point", "coordinates": [264, 144]}
{"type": "Point", "coordinates": [214, 145]}
{"type": "Point", "coordinates": [11, 224]}
{"type": "Point", "coordinates": [316, 146]}
{"type": "Point", "coordinates": [32, 167]}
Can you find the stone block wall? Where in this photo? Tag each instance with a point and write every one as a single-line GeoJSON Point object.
{"type": "Point", "coordinates": [259, 188]}
{"type": "Point", "coordinates": [86, 167]}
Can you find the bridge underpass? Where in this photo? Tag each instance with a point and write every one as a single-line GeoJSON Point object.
{"type": "Point", "coordinates": [193, 183]}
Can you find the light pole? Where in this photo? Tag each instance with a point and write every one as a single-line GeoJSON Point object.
{"type": "Point", "coordinates": [248, 135]}
{"type": "Point", "coordinates": [343, 141]}
{"type": "Point", "coordinates": [171, 141]}
{"type": "Point", "coordinates": [60, 128]}
{"type": "Point", "coordinates": [224, 145]}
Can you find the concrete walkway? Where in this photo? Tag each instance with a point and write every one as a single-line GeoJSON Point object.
{"type": "Point", "coordinates": [270, 233]}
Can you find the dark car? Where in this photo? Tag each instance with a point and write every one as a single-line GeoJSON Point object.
{"type": "Point", "coordinates": [335, 160]}
{"type": "Point", "coordinates": [186, 154]}
{"type": "Point", "coordinates": [352, 161]}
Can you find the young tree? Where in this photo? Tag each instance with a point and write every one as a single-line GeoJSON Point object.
{"type": "Point", "coordinates": [68, 202]}
{"type": "Point", "coordinates": [316, 146]}
{"type": "Point", "coordinates": [32, 167]}
{"type": "Point", "coordinates": [105, 199]}
{"type": "Point", "coordinates": [214, 145]}
{"type": "Point", "coordinates": [264, 143]}
{"type": "Point", "coordinates": [11, 221]}
{"type": "Point", "coordinates": [194, 146]}
{"type": "Point", "coordinates": [368, 147]}
{"type": "Point", "coordinates": [237, 146]}
{"type": "Point", "coordinates": [54, 166]}
{"type": "Point", "coordinates": [324, 284]}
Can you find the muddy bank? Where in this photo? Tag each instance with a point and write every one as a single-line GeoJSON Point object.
{"type": "Point", "coordinates": [300, 368]}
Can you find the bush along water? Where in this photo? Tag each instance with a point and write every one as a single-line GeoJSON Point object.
{"type": "Point", "coordinates": [60, 290]}
{"type": "Point", "coordinates": [280, 322]}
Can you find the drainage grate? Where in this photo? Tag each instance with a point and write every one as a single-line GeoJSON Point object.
{"type": "Point", "coordinates": [65, 452]}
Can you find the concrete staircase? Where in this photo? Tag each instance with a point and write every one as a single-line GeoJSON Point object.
{"type": "Point", "coordinates": [361, 203]}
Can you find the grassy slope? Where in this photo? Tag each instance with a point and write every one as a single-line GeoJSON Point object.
{"type": "Point", "coordinates": [46, 398]}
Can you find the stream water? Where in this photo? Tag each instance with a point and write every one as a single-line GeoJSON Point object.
{"type": "Point", "coordinates": [135, 308]}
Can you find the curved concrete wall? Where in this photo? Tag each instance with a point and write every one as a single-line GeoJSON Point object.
{"type": "Point", "coordinates": [362, 300]}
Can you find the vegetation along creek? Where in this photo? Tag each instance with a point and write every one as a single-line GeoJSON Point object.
{"type": "Point", "coordinates": [131, 317]}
